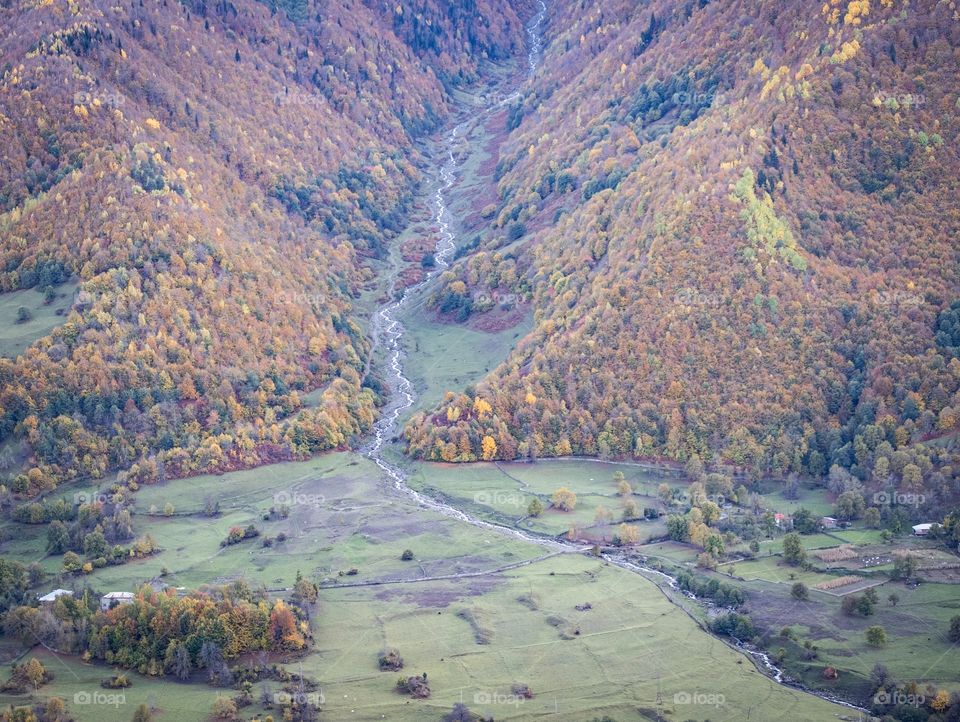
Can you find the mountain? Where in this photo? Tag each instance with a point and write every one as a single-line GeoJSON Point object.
{"type": "Point", "coordinates": [214, 177]}
{"type": "Point", "coordinates": [737, 225]}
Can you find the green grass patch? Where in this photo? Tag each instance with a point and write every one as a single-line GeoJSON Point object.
{"type": "Point", "coordinates": [43, 318]}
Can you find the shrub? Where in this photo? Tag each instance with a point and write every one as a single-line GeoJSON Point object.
{"type": "Point", "coordinates": [390, 660]}
{"type": "Point", "coordinates": [416, 687]}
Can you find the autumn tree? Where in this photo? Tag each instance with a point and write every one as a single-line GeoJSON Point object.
{"type": "Point", "coordinates": [564, 499]}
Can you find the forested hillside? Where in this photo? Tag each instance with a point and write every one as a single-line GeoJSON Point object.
{"type": "Point", "coordinates": [214, 175]}
{"type": "Point", "coordinates": [738, 225]}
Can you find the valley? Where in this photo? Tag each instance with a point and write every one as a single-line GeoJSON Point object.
{"type": "Point", "coordinates": [471, 509]}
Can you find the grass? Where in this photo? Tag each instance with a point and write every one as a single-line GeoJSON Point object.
{"type": "Point", "coordinates": [448, 357]}
{"type": "Point", "coordinates": [631, 644]}
{"type": "Point", "coordinates": [814, 500]}
{"type": "Point", "coordinates": [772, 569]}
{"type": "Point", "coordinates": [502, 491]}
{"type": "Point", "coordinates": [16, 337]}
{"type": "Point", "coordinates": [612, 659]}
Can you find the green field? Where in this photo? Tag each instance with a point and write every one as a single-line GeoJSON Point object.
{"type": "Point", "coordinates": [448, 357]}
{"type": "Point", "coordinates": [502, 491]}
{"type": "Point", "coordinates": [14, 336]}
{"type": "Point", "coordinates": [610, 659]}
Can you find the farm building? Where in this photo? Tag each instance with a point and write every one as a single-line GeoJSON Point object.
{"type": "Point", "coordinates": [115, 599]}
{"type": "Point", "coordinates": [52, 596]}
{"type": "Point", "coordinates": [828, 522]}
{"type": "Point", "coordinates": [922, 529]}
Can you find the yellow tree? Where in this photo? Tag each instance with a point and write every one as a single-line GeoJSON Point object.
{"type": "Point", "coordinates": [564, 499]}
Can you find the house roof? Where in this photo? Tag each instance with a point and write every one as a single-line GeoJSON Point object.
{"type": "Point", "coordinates": [118, 595]}
{"type": "Point", "coordinates": [922, 527]}
{"type": "Point", "coordinates": [52, 596]}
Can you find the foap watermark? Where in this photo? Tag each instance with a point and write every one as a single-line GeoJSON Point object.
{"type": "Point", "coordinates": [112, 699]}
{"type": "Point", "coordinates": [297, 498]}
{"type": "Point", "coordinates": [897, 498]}
{"type": "Point", "coordinates": [896, 697]}
{"type": "Point", "coordinates": [298, 297]}
{"type": "Point", "coordinates": [90, 497]}
{"type": "Point", "coordinates": [695, 297]}
{"type": "Point", "coordinates": [298, 99]}
{"type": "Point", "coordinates": [498, 498]}
{"type": "Point", "coordinates": [718, 499]}
{"type": "Point", "coordinates": [497, 698]}
{"type": "Point", "coordinates": [500, 299]}
{"type": "Point", "coordinates": [700, 698]}
{"type": "Point", "coordinates": [890, 299]}
{"type": "Point", "coordinates": [893, 99]}
{"type": "Point", "coordinates": [110, 100]}
{"type": "Point", "coordinates": [493, 99]}
{"type": "Point", "coordinates": [697, 99]}
{"type": "Point", "coordinates": [299, 698]}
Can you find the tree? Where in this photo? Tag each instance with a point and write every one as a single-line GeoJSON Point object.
{"type": "Point", "coordinates": [805, 522]}
{"type": "Point", "coordinates": [535, 507]}
{"type": "Point", "coordinates": [628, 534]}
{"type": "Point", "coordinates": [35, 673]}
{"type": "Point", "coordinates": [866, 603]}
{"type": "Point", "coordinates": [602, 515]}
{"type": "Point", "coordinates": [953, 634]}
{"type": "Point", "coordinates": [793, 551]}
{"type": "Point", "coordinates": [142, 714]}
{"type": "Point", "coordinates": [876, 636]}
{"type": "Point", "coordinates": [714, 545]}
{"type": "Point", "coordinates": [849, 505]}
{"type": "Point", "coordinates": [631, 510]}
{"type": "Point", "coordinates": [706, 560]}
{"type": "Point", "coordinates": [800, 592]}
{"type": "Point", "coordinates": [677, 528]}
{"type": "Point", "coordinates": [880, 676]}
{"type": "Point", "coordinates": [407, 555]}
{"type": "Point", "coordinates": [893, 598]}
{"type": "Point", "coordinates": [623, 487]}
{"type": "Point", "coordinates": [849, 604]}
{"type": "Point", "coordinates": [564, 499]}
{"type": "Point", "coordinates": [871, 518]}
{"type": "Point", "coordinates": [224, 708]}
{"type": "Point", "coordinates": [904, 566]}
{"type": "Point", "coordinates": [58, 537]}
{"type": "Point", "coordinates": [912, 477]}
{"type": "Point", "coordinates": [489, 448]}
{"type": "Point", "coordinates": [181, 665]}
{"type": "Point", "coordinates": [665, 493]}
{"type": "Point", "coordinates": [459, 713]}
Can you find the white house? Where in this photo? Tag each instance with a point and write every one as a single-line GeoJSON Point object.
{"type": "Point", "coordinates": [52, 596]}
{"type": "Point", "coordinates": [115, 599]}
{"type": "Point", "coordinates": [922, 529]}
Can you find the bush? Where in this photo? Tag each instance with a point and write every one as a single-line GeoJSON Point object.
{"type": "Point", "coordinates": [416, 687]}
{"type": "Point", "coordinates": [407, 555]}
{"type": "Point", "coordinates": [390, 660]}
{"type": "Point", "coordinates": [516, 231]}
{"type": "Point", "coordinates": [117, 681]}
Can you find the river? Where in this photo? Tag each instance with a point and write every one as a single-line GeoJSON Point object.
{"type": "Point", "coordinates": [388, 331]}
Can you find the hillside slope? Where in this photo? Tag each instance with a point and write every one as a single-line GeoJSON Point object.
{"type": "Point", "coordinates": [215, 174]}
{"type": "Point", "coordinates": [738, 225]}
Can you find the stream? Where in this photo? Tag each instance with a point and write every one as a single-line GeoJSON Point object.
{"type": "Point", "coordinates": [387, 332]}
